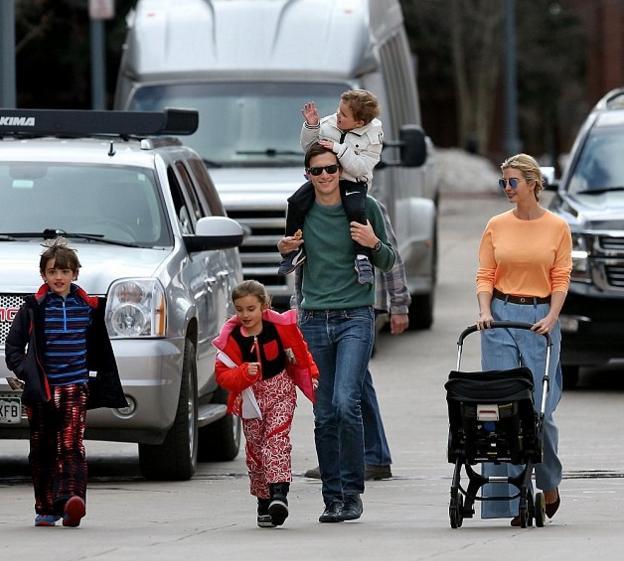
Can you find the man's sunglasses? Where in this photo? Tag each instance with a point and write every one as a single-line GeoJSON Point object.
{"type": "Point", "coordinates": [318, 170]}
{"type": "Point", "coordinates": [513, 182]}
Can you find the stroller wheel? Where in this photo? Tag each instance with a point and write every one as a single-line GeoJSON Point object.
{"type": "Point", "coordinates": [456, 511]}
{"type": "Point", "coordinates": [540, 515]}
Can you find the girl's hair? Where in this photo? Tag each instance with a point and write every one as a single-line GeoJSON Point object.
{"type": "Point", "coordinates": [64, 256]}
{"type": "Point", "coordinates": [363, 103]}
{"type": "Point", "coordinates": [529, 168]}
{"type": "Point", "coordinates": [252, 288]}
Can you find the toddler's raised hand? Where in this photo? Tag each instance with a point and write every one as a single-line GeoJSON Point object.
{"type": "Point", "coordinates": [310, 114]}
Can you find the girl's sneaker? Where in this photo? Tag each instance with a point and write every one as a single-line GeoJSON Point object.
{"type": "Point", "coordinates": [264, 519]}
{"type": "Point", "coordinates": [46, 519]}
{"type": "Point", "coordinates": [74, 510]}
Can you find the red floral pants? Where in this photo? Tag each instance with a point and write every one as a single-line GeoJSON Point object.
{"type": "Point", "coordinates": [57, 454]}
{"type": "Point", "coordinates": [268, 439]}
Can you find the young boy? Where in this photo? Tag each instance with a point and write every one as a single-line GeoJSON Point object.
{"type": "Point", "coordinates": [56, 338]}
{"type": "Point", "coordinates": [355, 135]}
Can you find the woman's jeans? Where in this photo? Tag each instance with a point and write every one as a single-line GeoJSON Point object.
{"type": "Point", "coordinates": [341, 342]}
{"type": "Point", "coordinates": [502, 349]}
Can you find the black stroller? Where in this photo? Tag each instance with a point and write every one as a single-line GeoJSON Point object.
{"type": "Point", "coordinates": [492, 419]}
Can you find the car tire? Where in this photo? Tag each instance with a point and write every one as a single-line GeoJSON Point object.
{"type": "Point", "coordinates": [421, 311]}
{"type": "Point", "coordinates": [570, 374]}
{"type": "Point", "coordinates": [176, 457]}
{"type": "Point", "coordinates": [220, 441]}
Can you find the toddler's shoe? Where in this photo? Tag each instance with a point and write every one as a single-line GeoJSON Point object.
{"type": "Point", "coordinates": [46, 519]}
{"type": "Point", "coordinates": [74, 510]}
{"type": "Point", "coordinates": [291, 261]}
{"type": "Point", "coordinates": [364, 270]}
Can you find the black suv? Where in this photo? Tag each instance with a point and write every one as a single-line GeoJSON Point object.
{"type": "Point", "coordinates": [590, 196]}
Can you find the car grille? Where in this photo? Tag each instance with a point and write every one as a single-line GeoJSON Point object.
{"type": "Point", "coordinates": [615, 275]}
{"type": "Point", "coordinates": [609, 243]}
{"type": "Point", "coordinates": [9, 304]}
{"type": "Point", "coordinates": [259, 255]}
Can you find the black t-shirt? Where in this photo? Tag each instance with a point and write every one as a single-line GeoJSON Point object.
{"type": "Point", "coordinates": [272, 355]}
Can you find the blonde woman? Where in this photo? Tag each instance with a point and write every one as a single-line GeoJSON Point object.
{"type": "Point", "coordinates": [525, 259]}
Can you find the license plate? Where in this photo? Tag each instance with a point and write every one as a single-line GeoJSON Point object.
{"type": "Point", "coordinates": [10, 409]}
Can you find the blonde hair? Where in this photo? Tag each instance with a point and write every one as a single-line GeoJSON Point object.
{"type": "Point", "coordinates": [529, 168]}
{"type": "Point", "coordinates": [363, 103]}
{"type": "Point", "coordinates": [252, 288]}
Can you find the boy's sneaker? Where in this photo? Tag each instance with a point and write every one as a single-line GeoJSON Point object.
{"type": "Point", "coordinates": [46, 519]}
{"type": "Point", "coordinates": [364, 270]}
{"type": "Point", "coordinates": [74, 510]}
{"type": "Point", "coordinates": [291, 261]}
{"type": "Point", "coordinates": [264, 519]}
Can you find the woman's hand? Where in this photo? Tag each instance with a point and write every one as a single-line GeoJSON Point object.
{"type": "Point", "coordinates": [545, 325]}
{"type": "Point", "coordinates": [485, 319]}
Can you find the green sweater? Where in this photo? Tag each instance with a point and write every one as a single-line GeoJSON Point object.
{"type": "Point", "coordinates": [329, 278]}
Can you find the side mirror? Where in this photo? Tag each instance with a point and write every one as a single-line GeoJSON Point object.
{"type": "Point", "coordinates": [550, 182]}
{"type": "Point", "coordinates": [214, 232]}
{"type": "Point", "coordinates": [413, 146]}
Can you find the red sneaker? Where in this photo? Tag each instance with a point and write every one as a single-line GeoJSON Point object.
{"type": "Point", "coordinates": [74, 510]}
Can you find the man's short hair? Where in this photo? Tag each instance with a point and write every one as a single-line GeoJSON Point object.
{"type": "Point", "coordinates": [316, 149]}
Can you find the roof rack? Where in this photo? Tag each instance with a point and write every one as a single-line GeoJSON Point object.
{"type": "Point", "coordinates": [611, 100]}
{"type": "Point", "coordinates": [70, 122]}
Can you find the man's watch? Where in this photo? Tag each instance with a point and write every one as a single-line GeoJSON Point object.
{"type": "Point", "coordinates": [377, 246]}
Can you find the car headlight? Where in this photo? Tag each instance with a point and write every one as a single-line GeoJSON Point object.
{"type": "Point", "coordinates": [580, 254]}
{"type": "Point", "coordinates": [136, 308]}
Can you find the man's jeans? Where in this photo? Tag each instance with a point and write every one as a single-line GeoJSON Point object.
{"type": "Point", "coordinates": [341, 342]}
{"type": "Point", "coordinates": [377, 450]}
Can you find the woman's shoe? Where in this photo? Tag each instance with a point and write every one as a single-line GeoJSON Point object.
{"type": "Point", "coordinates": [552, 507]}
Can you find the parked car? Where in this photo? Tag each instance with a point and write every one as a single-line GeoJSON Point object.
{"type": "Point", "coordinates": [152, 236]}
{"type": "Point", "coordinates": [249, 88]}
{"type": "Point", "coordinates": [590, 196]}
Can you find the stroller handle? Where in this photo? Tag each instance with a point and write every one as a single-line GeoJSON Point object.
{"type": "Point", "coordinates": [502, 325]}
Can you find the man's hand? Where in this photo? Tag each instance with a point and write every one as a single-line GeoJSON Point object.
{"type": "Point", "coordinates": [288, 244]}
{"type": "Point", "coordinates": [398, 323]}
{"type": "Point", "coordinates": [363, 234]}
{"type": "Point", "coordinates": [310, 114]}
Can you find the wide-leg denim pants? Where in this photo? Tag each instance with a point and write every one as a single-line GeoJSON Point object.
{"type": "Point", "coordinates": [502, 349]}
{"type": "Point", "coordinates": [341, 342]}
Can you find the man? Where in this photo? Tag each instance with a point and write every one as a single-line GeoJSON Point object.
{"type": "Point", "coordinates": [392, 297]}
{"type": "Point", "coordinates": [338, 323]}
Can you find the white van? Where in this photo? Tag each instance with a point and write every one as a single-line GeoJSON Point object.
{"type": "Point", "coordinates": [248, 68]}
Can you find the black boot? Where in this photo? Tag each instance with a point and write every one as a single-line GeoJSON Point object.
{"type": "Point", "coordinates": [264, 518]}
{"type": "Point", "coordinates": [278, 507]}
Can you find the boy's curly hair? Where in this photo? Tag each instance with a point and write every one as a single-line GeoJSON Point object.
{"type": "Point", "coordinates": [363, 103]}
{"type": "Point", "coordinates": [64, 256]}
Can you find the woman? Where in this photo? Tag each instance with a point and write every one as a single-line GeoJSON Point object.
{"type": "Point", "coordinates": [525, 259]}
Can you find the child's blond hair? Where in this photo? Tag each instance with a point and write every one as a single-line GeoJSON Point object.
{"type": "Point", "coordinates": [363, 103]}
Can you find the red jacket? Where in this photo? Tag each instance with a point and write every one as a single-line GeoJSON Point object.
{"type": "Point", "coordinates": [231, 371]}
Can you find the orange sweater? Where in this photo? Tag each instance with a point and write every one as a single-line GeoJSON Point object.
{"type": "Point", "coordinates": [525, 257]}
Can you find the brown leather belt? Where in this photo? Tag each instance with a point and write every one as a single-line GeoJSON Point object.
{"type": "Point", "coordinates": [531, 300]}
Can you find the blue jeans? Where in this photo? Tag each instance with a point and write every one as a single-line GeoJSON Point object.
{"type": "Point", "coordinates": [376, 449]}
{"type": "Point", "coordinates": [502, 349]}
{"type": "Point", "coordinates": [341, 342]}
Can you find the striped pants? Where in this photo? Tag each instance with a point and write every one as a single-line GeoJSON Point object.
{"type": "Point", "coordinates": [268, 439]}
{"type": "Point", "coordinates": [57, 455]}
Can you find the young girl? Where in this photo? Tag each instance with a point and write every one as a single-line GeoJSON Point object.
{"type": "Point", "coordinates": [262, 356]}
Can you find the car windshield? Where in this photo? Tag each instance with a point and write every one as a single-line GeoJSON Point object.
{"type": "Point", "coordinates": [244, 123]}
{"type": "Point", "coordinates": [600, 167]}
{"type": "Point", "coordinates": [111, 203]}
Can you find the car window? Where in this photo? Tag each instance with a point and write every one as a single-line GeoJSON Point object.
{"type": "Point", "coordinates": [115, 202]}
{"type": "Point", "coordinates": [600, 165]}
{"type": "Point", "coordinates": [206, 190]}
{"type": "Point", "coordinates": [190, 189]}
{"type": "Point", "coordinates": [183, 214]}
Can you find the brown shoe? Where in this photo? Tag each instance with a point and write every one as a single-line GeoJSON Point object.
{"type": "Point", "coordinates": [516, 522]}
{"type": "Point", "coordinates": [552, 507]}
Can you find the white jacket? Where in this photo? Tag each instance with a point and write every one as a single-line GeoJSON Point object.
{"type": "Point", "coordinates": [359, 152]}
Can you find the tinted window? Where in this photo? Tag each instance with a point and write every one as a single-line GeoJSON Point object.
{"type": "Point", "coordinates": [254, 123]}
{"type": "Point", "coordinates": [600, 165]}
{"type": "Point", "coordinates": [114, 202]}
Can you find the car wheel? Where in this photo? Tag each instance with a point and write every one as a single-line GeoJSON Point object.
{"type": "Point", "coordinates": [220, 441]}
{"type": "Point", "coordinates": [570, 374]}
{"type": "Point", "coordinates": [176, 457]}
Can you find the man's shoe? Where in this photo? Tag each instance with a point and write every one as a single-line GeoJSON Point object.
{"type": "Point", "coordinates": [46, 519]}
{"type": "Point", "coordinates": [364, 270]}
{"type": "Point", "coordinates": [352, 508]}
{"type": "Point", "coordinates": [332, 513]}
{"type": "Point", "coordinates": [377, 473]}
{"type": "Point", "coordinates": [74, 510]}
{"type": "Point", "coordinates": [313, 473]}
{"type": "Point", "coordinates": [291, 261]}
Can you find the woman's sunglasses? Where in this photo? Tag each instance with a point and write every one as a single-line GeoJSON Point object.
{"type": "Point", "coordinates": [513, 182]}
{"type": "Point", "coordinates": [318, 170]}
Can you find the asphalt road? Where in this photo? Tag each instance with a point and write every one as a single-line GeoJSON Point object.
{"type": "Point", "coordinates": [213, 516]}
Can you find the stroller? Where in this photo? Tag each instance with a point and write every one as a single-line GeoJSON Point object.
{"type": "Point", "coordinates": [492, 419]}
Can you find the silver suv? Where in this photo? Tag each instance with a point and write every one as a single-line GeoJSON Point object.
{"type": "Point", "coordinates": [152, 236]}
